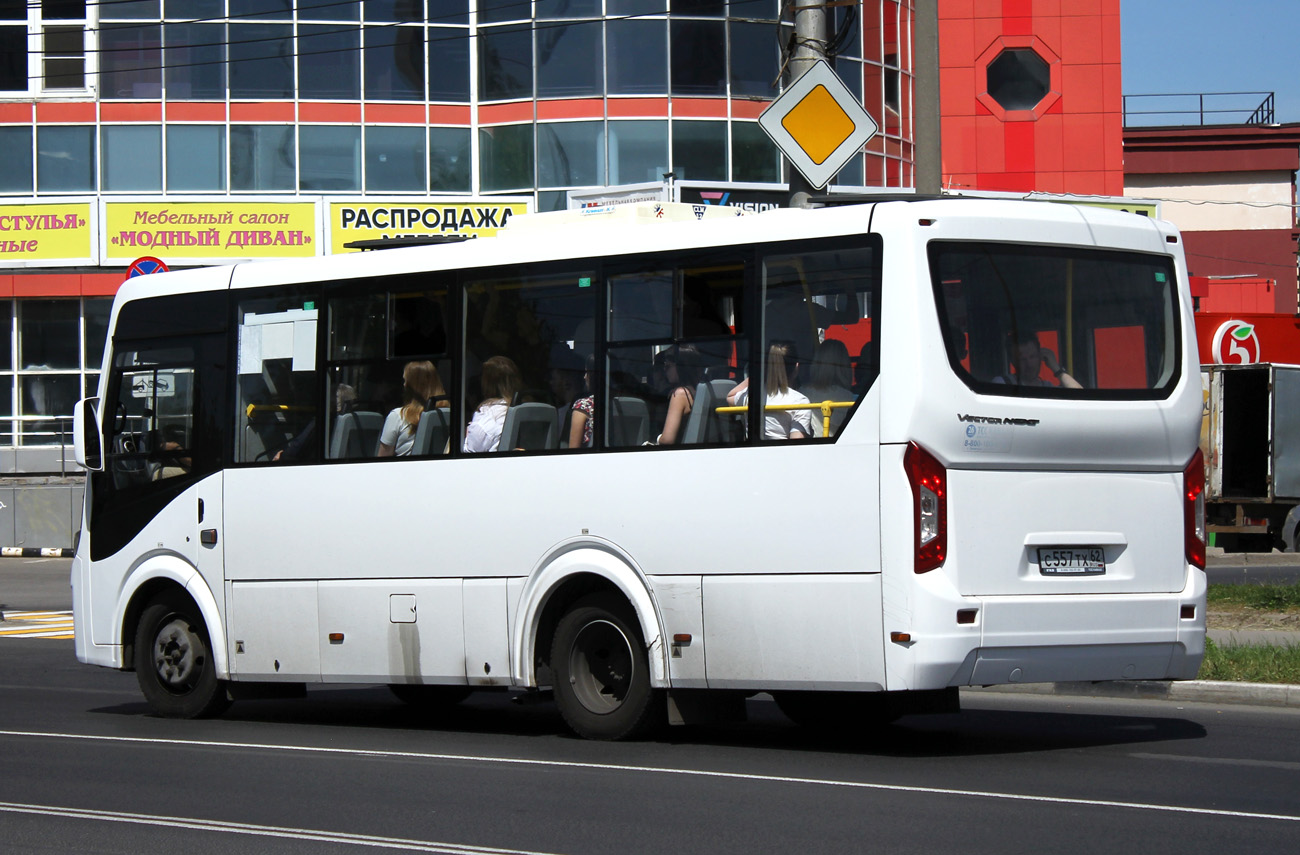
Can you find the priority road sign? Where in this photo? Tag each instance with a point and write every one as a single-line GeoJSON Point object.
{"type": "Point", "coordinates": [818, 124]}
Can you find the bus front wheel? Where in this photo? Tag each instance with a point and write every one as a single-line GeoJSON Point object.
{"type": "Point", "coordinates": [602, 676]}
{"type": "Point", "coordinates": [173, 663]}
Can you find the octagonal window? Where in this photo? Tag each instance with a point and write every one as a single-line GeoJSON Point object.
{"type": "Point", "coordinates": [1018, 79]}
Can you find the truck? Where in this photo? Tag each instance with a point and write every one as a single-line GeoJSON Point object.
{"type": "Point", "coordinates": [1250, 435]}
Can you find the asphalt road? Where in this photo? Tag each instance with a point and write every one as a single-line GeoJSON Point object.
{"type": "Point", "coordinates": [84, 768]}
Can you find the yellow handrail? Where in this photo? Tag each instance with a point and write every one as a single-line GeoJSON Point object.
{"type": "Point", "coordinates": [279, 408]}
{"type": "Point", "coordinates": [824, 406]}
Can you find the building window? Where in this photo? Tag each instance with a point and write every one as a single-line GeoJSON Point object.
{"type": "Point", "coordinates": [505, 63]}
{"type": "Point", "coordinates": [754, 157]}
{"type": "Point", "coordinates": [395, 159]}
{"type": "Point", "coordinates": [507, 157]}
{"type": "Point", "coordinates": [262, 158]}
{"type": "Point", "coordinates": [636, 62]}
{"type": "Point", "coordinates": [329, 158]}
{"type": "Point", "coordinates": [394, 63]}
{"type": "Point", "coordinates": [449, 160]}
{"type": "Point", "coordinates": [1018, 79]}
{"type": "Point", "coordinates": [59, 28]}
{"type": "Point", "coordinates": [261, 61]}
{"type": "Point", "coordinates": [754, 62]}
{"type": "Point", "coordinates": [132, 157]}
{"type": "Point", "coordinates": [324, 10]}
{"type": "Point", "coordinates": [568, 60]}
{"type": "Point", "coordinates": [698, 58]}
{"type": "Point", "coordinates": [700, 151]}
{"type": "Point", "coordinates": [329, 62]}
{"type": "Point", "coordinates": [195, 60]}
{"type": "Point", "coordinates": [638, 151]}
{"type": "Point", "coordinates": [15, 160]}
{"type": "Point", "coordinates": [570, 154]}
{"type": "Point", "coordinates": [130, 61]}
{"type": "Point", "coordinates": [448, 64]}
{"type": "Point", "coordinates": [65, 159]}
{"type": "Point", "coordinates": [196, 158]}
{"type": "Point", "coordinates": [60, 345]}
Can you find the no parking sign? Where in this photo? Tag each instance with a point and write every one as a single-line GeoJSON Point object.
{"type": "Point", "coordinates": [144, 266]}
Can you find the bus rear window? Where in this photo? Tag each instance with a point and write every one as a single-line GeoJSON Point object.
{"type": "Point", "coordinates": [1057, 322]}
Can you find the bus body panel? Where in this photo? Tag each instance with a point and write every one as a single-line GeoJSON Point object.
{"type": "Point", "coordinates": [1000, 521]}
{"type": "Point", "coordinates": [808, 632]}
{"type": "Point", "coordinates": [168, 547]}
{"type": "Point", "coordinates": [392, 630]}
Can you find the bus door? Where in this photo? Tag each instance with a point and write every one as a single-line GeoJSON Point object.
{"type": "Point", "coordinates": [160, 492]}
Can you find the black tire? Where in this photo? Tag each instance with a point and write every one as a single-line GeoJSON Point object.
{"type": "Point", "coordinates": [173, 663]}
{"type": "Point", "coordinates": [602, 675]}
{"type": "Point", "coordinates": [838, 711]}
{"type": "Point", "coordinates": [431, 698]}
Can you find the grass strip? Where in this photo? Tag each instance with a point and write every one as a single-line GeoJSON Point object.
{"type": "Point", "coordinates": [1251, 663]}
{"type": "Point", "coordinates": [1273, 598]}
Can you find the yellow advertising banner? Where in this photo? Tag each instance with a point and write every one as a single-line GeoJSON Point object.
{"type": "Point", "coordinates": [181, 231]}
{"type": "Point", "coordinates": [376, 220]}
{"type": "Point", "coordinates": [39, 232]}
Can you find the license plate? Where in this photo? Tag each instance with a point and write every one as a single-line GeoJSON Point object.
{"type": "Point", "coordinates": [1071, 560]}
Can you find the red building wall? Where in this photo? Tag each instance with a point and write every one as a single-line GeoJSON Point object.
{"type": "Point", "coordinates": [1072, 141]}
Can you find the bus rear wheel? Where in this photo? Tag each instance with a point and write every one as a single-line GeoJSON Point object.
{"type": "Point", "coordinates": [602, 675]}
{"type": "Point", "coordinates": [173, 661]}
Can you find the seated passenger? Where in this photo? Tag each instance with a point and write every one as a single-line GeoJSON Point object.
{"type": "Point", "coordinates": [1029, 357]}
{"type": "Point", "coordinates": [582, 426]}
{"type": "Point", "coordinates": [422, 388]}
{"type": "Point", "coordinates": [500, 383]}
{"type": "Point", "coordinates": [683, 372]}
{"type": "Point", "coordinates": [830, 380]}
{"type": "Point", "coordinates": [778, 424]}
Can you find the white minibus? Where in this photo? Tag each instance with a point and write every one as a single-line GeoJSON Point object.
{"type": "Point", "coordinates": [855, 457]}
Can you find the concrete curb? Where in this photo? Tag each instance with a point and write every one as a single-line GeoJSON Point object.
{"type": "Point", "coordinates": [36, 552]}
{"type": "Point", "coordinates": [1196, 691]}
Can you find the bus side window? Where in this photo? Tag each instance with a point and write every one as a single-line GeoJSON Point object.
{"type": "Point", "coordinates": [819, 310]}
{"type": "Point", "coordinates": [277, 409]}
{"type": "Point", "coordinates": [530, 335]}
{"type": "Point", "coordinates": [389, 378]}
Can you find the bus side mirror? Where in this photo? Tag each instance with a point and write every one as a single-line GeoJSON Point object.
{"type": "Point", "coordinates": [86, 439]}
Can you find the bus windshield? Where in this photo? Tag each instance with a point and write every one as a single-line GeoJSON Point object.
{"type": "Point", "coordinates": [1058, 322]}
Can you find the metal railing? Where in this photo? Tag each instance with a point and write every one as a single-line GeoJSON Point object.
{"type": "Point", "coordinates": [1199, 108]}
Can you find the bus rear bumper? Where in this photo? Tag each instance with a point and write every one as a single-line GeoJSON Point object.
{"type": "Point", "coordinates": [1072, 637]}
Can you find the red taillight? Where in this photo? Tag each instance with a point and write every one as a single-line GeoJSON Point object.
{"type": "Point", "coordinates": [929, 482]}
{"type": "Point", "coordinates": [1194, 509]}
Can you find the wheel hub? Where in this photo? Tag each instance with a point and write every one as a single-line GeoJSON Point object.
{"type": "Point", "coordinates": [601, 665]}
{"type": "Point", "coordinates": [178, 655]}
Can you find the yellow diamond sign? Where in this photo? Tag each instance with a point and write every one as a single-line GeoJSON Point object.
{"type": "Point", "coordinates": [818, 124]}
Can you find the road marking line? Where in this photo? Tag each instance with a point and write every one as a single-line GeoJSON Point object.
{"type": "Point", "coordinates": [45, 624]}
{"type": "Point", "coordinates": [658, 770]}
{"type": "Point", "coordinates": [261, 830]}
{"type": "Point", "coordinates": [1222, 761]}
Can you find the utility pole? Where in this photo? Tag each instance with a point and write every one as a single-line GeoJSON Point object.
{"type": "Point", "coordinates": [809, 46]}
{"type": "Point", "coordinates": [929, 161]}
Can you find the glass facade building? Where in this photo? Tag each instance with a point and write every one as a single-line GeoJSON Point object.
{"type": "Point", "coordinates": [418, 96]}
{"type": "Point", "coordinates": [186, 102]}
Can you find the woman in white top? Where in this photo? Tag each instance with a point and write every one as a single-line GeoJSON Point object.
{"type": "Point", "coordinates": [500, 382]}
{"type": "Point", "coordinates": [422, 387]}
{"type": "Point", "coordinates": [778, 424]}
